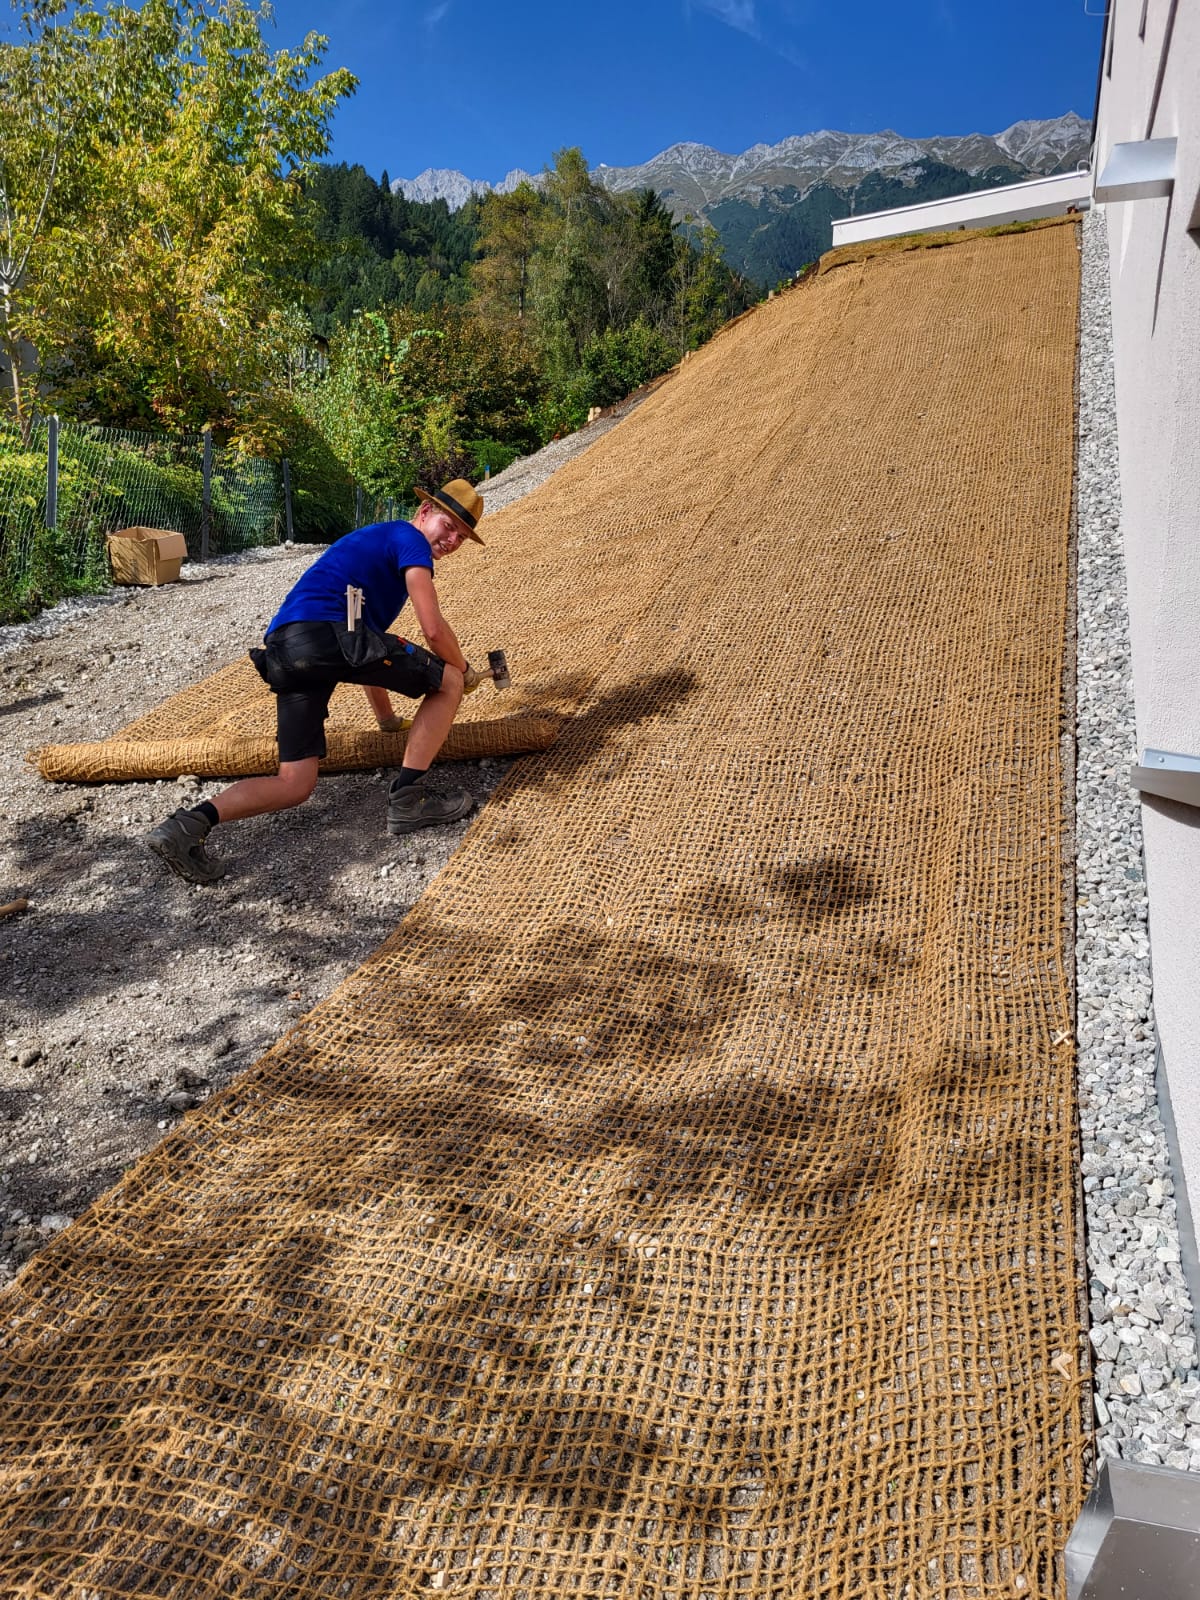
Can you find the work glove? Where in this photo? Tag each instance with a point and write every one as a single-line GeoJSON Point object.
{"type": "Point", "coordinates": [394, 724]}
{"type": "Point", "coordinates": [472, 678]}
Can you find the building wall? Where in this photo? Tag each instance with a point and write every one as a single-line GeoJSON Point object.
{"type": "Point", "coordinates": [1150, 88]}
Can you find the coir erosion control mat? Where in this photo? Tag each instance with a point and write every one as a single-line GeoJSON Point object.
{"type": "Point", "coordinates": [681, 1202]}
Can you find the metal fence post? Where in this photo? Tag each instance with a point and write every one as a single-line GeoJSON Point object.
{"type": "Point", "coordinates": [358, 505]}
{"type": "Point", "coordinates": [287, 497]}
{"type": "Point", "coordinates": [52, 475]}
{"type": "Point", "coordinates": [206, 495]}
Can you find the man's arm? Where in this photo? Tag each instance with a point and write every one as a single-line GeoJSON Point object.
{"type": "Point", "coordinates": [439, 635]}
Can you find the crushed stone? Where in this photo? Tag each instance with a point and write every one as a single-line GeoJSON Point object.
{"type": "Point", "coordinates": [1143, 1334]}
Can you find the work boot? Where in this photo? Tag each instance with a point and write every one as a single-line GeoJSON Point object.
{"type": "Point", "coordinates": [180, 842]}
{"type": "Point", "coordinates": [413, 807]}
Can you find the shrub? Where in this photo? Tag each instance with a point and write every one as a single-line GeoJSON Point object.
{"type": "Point", "coordinates": [490, 455]}
{"type": "Point", "coordinates": [620, 360]}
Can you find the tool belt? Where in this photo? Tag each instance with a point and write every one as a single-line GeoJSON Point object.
{"type": "Point", "coordinates": [301, 652]}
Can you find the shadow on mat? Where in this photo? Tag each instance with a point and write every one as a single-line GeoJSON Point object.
{"type": "Point", "coordinates": [587, 736]}
{"type": "Point", "coordinates": [369, 1356]}
{"type": "Point", "coordinates": [439, 1270]}
{"type": "Point", "coordinates": [444, 1264]}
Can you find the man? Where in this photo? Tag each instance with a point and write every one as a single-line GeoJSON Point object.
{"type": "Point", "coordinates": [331, 629]}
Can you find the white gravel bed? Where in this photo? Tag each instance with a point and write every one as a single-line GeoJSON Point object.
{"type": "Point", "coordinates": [127, 996]}
{"type": "Point", "coordinates": [1147, 1387]}
{"type": "Point", "coordinates": [525, 474]}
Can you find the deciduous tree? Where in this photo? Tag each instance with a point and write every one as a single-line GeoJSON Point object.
{"type": "Point", "coordinates": [158, 264]}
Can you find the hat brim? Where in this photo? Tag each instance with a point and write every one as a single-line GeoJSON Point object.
{"type": "Point", "coordinates": [435, 499]}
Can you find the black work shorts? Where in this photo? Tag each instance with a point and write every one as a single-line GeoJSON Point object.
{"type": "Point", "coordinates": [305, 662]}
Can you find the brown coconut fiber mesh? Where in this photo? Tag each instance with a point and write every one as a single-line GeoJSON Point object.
{"type": "Point", "coordinates": [680, 1203]}
{"type": "Point", "coordinates": [224, 727]}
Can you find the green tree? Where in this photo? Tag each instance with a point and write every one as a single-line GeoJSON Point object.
{"type": "Point", "coordinates": [706, 292]}
{"type": "Point", "coordinates": [43, 102]}
{"type": "Point", "coordinates": [620, 360]}
{"type": "Point", "coordinates": [356, 408]}
{"type": "Point", "coordinates": [376, 250]}
{"type": "Point", "coordinates": [160, 261]}
{"type": "Point", "coordinates": [570, 294]}
{"type": "Point", "coordinates": [639, 260]}
{"type": "Point", "coordinates": [406, 397]}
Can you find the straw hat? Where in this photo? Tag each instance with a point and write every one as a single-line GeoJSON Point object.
{"type": "Point", "coordinates": [464, 504]}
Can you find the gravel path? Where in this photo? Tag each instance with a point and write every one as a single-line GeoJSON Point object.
{"type": "Point", "coordinates": [129, 996]}
{"type": "Point", "coordinates": [1142, 1329]}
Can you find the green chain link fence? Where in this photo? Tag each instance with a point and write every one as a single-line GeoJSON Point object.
{"type": "Point", "coordinates": [54, 523]}
{"type": "Point", "coordinates": [108, 478]}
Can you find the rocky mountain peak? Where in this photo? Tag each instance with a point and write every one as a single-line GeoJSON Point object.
{"type": "Point", "coordinates": [693, 175]}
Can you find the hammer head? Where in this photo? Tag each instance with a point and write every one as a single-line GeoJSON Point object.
{"type": "Point", "coordinates": [498, 667]}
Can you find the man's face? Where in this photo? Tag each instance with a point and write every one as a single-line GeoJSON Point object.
{"type": "Point", "coordinates": [442, 530]}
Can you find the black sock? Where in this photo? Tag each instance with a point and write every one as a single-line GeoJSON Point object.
{"type": "Point", "coordinates": [407, 775]}
{"type": "Point", "coordinates": [208, 811]}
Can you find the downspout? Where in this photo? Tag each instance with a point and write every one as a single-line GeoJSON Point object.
{"type": "Point", "coordinates": [1108, 22]}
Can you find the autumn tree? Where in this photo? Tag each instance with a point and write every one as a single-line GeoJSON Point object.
{"type": "Point", "coordinates": [157, 266]}
{"type": "Point", "coordinates": [508, 238]}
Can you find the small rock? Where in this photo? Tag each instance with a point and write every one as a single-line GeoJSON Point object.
{"type": "Point", "coordinates": [180, 1100]}
{"type": "Point", "coordinates": [29, 1057]}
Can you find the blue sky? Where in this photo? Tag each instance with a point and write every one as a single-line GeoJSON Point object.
{"type": "Point", "coordinates": [487, 87]}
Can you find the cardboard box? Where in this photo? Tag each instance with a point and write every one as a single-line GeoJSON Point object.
{"type": "Point", "coordinates": [146, 555]}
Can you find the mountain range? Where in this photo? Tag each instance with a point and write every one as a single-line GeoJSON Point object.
{"type": "Point", "coordinates": [773, 206]}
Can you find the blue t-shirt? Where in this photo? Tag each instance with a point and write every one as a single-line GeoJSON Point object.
{"type": "Point", "coordinates": [373, 559]}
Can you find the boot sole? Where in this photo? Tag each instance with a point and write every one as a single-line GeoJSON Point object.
{"type": "Point", "coordinates": [164, 853]}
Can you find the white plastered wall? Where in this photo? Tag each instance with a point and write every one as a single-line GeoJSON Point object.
{"type": "Point", "coordinates": [1150, 88]}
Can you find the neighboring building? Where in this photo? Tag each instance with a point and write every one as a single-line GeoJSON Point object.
{"type": "Point", "coordinates": [1147, 165]}
{"type": "Point", "coordinates": [982, 208]}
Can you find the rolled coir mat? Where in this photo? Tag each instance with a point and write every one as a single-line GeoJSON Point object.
{"type": "Point", "coordinates": [117, 761]}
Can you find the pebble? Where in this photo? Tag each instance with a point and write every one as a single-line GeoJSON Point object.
{"type": "Point", "coordinates": [1142, 1323]}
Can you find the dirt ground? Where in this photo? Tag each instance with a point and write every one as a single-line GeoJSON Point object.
{"type": "Point", "coordinates": [126, 995]}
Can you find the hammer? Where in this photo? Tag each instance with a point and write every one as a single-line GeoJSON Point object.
{"type": "Point", "coordinates": [496, 669]}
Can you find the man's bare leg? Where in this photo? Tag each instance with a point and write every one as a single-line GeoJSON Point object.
{"type": "Point", "coordinates": [179, 839]}
{"type": "Point", "coordinates": [410, 804]}
{"type": "Point", "coordinates": [253, 797]}
{"type": "Point", "coordinates": [432, 722]}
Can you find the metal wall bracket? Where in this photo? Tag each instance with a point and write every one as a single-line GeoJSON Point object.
{"type": "Point", "coordinates": [1137, 1537]}
{"type": "Point", "coordinates": [1166, 773]}
{"type": "Point", "coordinates": [1143, 170]}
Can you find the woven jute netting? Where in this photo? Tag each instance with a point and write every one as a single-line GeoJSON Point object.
{"type": "Point", "coordinates": [680, 1203]}
{"type": "Point", "coordinates": [224, 727]}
